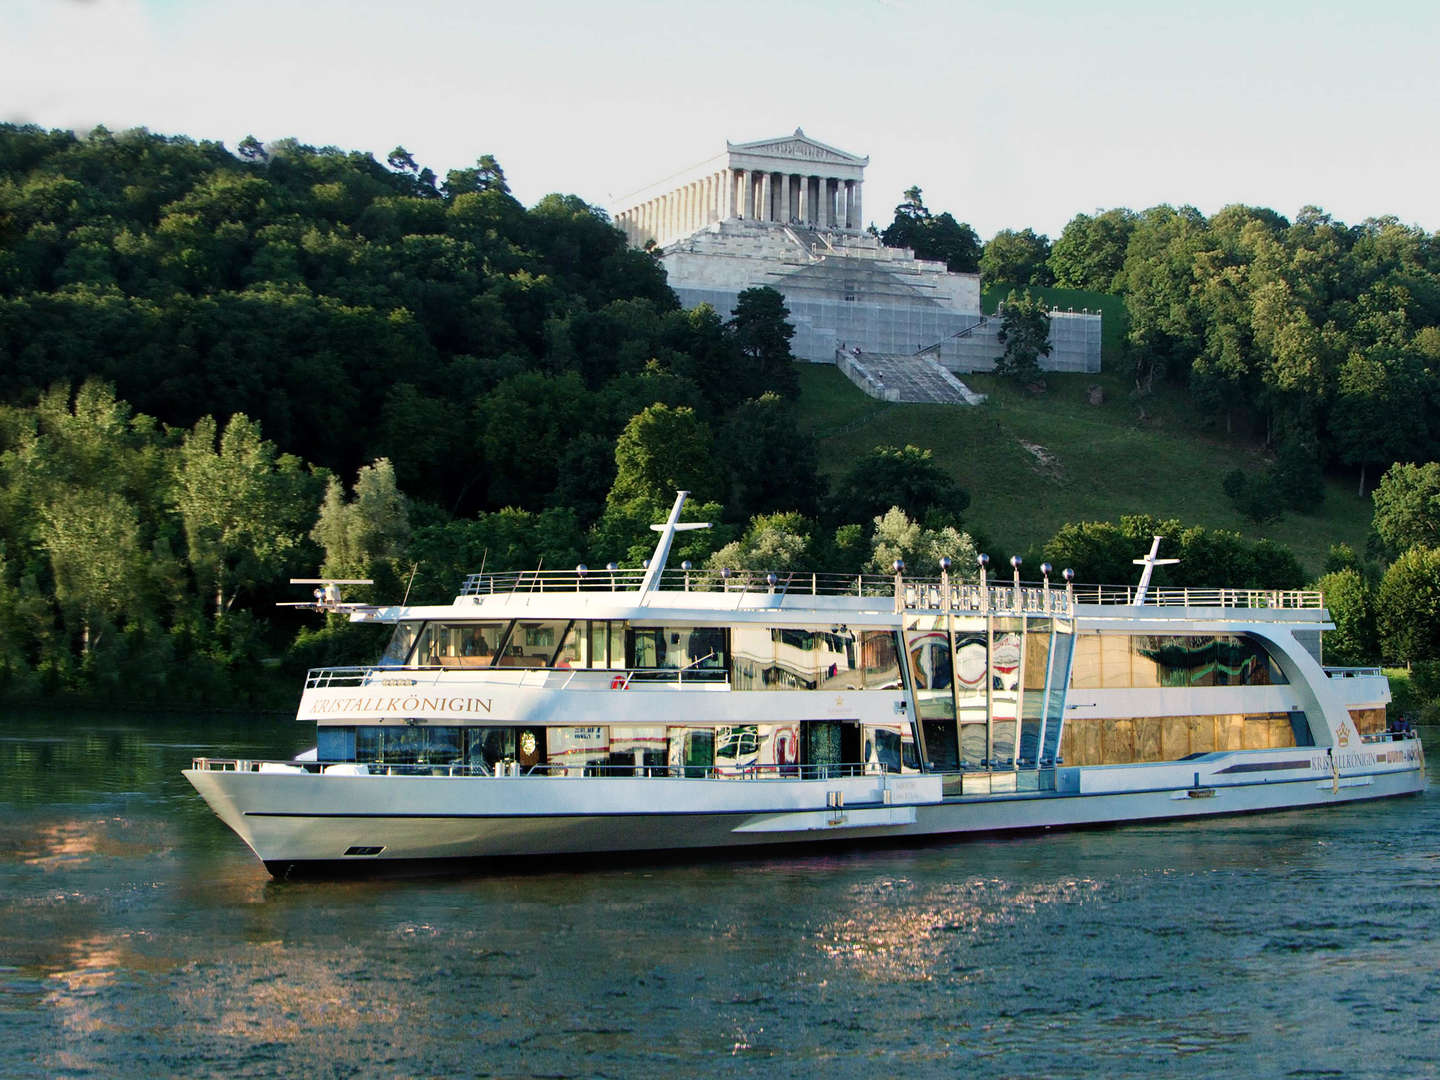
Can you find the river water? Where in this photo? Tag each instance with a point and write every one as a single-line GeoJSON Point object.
{"type": "Point", "coordinates": [138, 936]}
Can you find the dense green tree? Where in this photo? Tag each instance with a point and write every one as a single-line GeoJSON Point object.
{"type": "Point", "coordinates": [770, 461]}
{"type": "Point", "coordinates": [1017, 258]}
{"type": "Point", "coordinates": [771, 542]}
{"type": "Point", "coordinates": [939, 237]}
{"type": "Point", "coordinates": [890, 476]}
{"type": "Point", "coordinates": [896, 536]}
{"type": "Point", "coordinates": [1352, 608]}
{"type": "Point", "coordinates": [1407, 506]}
{"type": "Point", "coordinates": [1408, 607]}
{"type": "Point", "coordinates": [661, 451]}
{"type": "Point", "coordinates": [1090, 253]}
{"type": "Point", "coordinates": [245, 508]}
{"type": "Point", "coordinates": [367, 535]}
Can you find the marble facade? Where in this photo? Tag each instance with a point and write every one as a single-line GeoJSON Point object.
{"type": "Point", "coordinates": [792, 180]}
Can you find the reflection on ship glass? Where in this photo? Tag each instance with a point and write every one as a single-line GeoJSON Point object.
{"type": "Point", "coordinates": [1107, 741]}
{"type": "Point", "coordinates": [737, 746]}
{"type": "Point", "coordinates": [578, 747]}
{"type": "Point", "coordinates": [802, 658]}
{"type": "Point", "coordinates": [699, 651]}
{"type": "Point", "coordinates": [637, 746]}
{"type": "Point", "coordinates": [1124, 661]}
{"type": "Point", "coordinates": [397, 652]}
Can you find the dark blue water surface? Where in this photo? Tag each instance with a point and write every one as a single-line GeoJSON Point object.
{"type": "Point", "coordinates": [138, 936]}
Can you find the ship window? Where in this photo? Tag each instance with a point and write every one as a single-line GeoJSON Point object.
{"type": "Point", "coordinates": [578, 749]}
{"type": "Point", "coordinates": [637, 748]}
{"type": "Point", "coordinates": [737, 746]}
{"type": "Point", "coordinates": [489, 745]}
{"type": "Point", "coordinates": [797, 658]}
{"type": "Point", "coordinates": [409, 745]}
{"type": "Point", "coordinates": [460, 644]}
{"type": "Point", "coordinates": [691, 751]}
{"type": "Point", "coordinates": [880, 662]}
{"type": "Point", "coordinates": [401, 642]}
{"type": "Point", "coordinates": [535, 643]}
{"type": "Point", "coordinates": [699, 651]}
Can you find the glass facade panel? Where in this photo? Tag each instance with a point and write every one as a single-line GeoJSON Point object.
{"type": "Point", "coordinates": [489, 745]}
{"type": "Point", "coordinates": [691, 751]}
{"type": "Point", "coordinates": [799, 658]}
{"type": "Point", "coordinates": [1062, 650]}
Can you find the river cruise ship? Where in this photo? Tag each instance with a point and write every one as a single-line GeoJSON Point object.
{"type": "Point", "coordinates": [663, 709]}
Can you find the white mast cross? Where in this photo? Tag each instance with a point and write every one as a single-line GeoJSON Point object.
{"type": "Point", "coordinates": [667, 533]}
{"type": "Point", "coordinates": [1149, 562]}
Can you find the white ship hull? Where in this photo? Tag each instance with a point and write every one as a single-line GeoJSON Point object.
{"type": "Point", "coordinates": [328, 824]}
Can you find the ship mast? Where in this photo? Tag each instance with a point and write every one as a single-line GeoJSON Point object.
{"type": "Point", "coordinates": [1149, 562]}
{"type": "Point", "coordinates": [667, 533]}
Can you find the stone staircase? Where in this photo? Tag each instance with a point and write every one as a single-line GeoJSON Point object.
{"type": "Point", "coordinates": [910, 378]}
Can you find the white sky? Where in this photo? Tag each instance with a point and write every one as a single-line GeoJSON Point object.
{"type": "Point", "coordinates": [1006, 114]}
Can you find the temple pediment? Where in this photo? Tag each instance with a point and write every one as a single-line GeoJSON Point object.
{"type": "Point", "coordinates": [798, 147]}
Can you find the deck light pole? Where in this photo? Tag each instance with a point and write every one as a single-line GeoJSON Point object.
{"type": "Point", "coordinates": [1045, 569]}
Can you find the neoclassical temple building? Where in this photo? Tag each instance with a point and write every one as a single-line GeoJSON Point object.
{"type": "Point", "coordinates": [793, 180]}
{"type": "Point", "coordinates": [788, 212]}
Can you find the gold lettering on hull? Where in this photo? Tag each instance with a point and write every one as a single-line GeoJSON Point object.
{"type": "Point", "coordinates": [411, 704]}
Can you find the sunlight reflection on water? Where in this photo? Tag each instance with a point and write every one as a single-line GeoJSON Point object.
{"type": "Point", "coordinates": [137, 936]}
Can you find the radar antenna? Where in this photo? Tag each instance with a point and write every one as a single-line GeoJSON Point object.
{"type": "Point", "coordinates": [1149, 562]}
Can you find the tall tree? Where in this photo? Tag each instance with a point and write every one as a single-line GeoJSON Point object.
{"type": "Point", "coordinates": [1025, 334]}
{"type": "Point", "coordinates": [245, 508]}
{"type": "Point", "coordinates": [761, 328]}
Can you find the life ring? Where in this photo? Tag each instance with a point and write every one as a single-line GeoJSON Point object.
{"type": "Point", "coordinates": [619, 682]}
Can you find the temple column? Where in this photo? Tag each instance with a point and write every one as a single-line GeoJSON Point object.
{"type": "Point", "coordinates": [842, 208]}
{"type": "Point", "coordinates": [803, 213]}
{"type": "Point", "coordinates": [746, 207]}
{"type": "Point", "coordinates": [785, 212]}
{"type": "Point", "coordinates": [766, 190]}
{"type": "Point", "coordinates": [727, 193]}
{"type": "Point", "coordinates": [857, 219]}
{"type": "Point", "coordinates": [822, 201]}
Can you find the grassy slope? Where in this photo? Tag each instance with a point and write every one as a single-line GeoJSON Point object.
{"type": "Point", "coordinates": [1107, 460]}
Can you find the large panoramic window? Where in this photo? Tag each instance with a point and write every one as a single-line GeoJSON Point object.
{"type": "Point", "coordinates": [1144, 661]}
{"type": "Point", "coordinates": [1109, 741]}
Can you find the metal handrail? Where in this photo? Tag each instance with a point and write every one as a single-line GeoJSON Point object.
{"type": "Point", "coordinates": [557, 769]}
{"type": "Point", "coordinates": [358, 675]}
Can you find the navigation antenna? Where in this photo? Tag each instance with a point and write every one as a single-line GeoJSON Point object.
{"type": "Point", "coordinates": [667, 532]}
{"type": "Point", "coordinates": [1149, 562]}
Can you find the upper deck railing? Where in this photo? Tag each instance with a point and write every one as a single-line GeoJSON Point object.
{"type": "Point", "coordinates": [1223, 598]}
{"type": "Point", "coordinates": [914, 593]}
